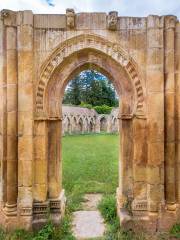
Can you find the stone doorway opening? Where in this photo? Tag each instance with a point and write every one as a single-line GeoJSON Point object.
{"type": "Point", "coordinates": [122, 72]}
{"type": "Point", "coordinates": [91, 104]}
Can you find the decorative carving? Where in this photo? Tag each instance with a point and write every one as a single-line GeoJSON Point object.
{"type": "Point", "coordinates": [139, 205]}
{"type": "Point", "coordinates": [79, 43]}
{"type": "Point", "coordinates": [10, 209]}
{"type": "Point", "coordinates": [26, 211]}
{"type": "Point", "coordinates": [9, 17]}
{"type": "Point", "coordinates": [170, 21]}
{"type": "Point", "coordinates": [70, 18]}
{"type": "Point", "coordinates": [55, 206]}
{"type": "Point", "coordinates": [40, 210]}
{"type": "Point", "coordinates": [112, 20]}
{"type": "Point", "coordinates": [5, 13]}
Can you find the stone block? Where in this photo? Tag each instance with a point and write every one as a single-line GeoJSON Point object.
{"type": "Point", "coordinates": [25, 67]}
{"type": "Point", "coordinates": [140, 190]}
{"type": "Point", "coordinates": [40, 171]}
{"type": "Point", "coordinates": [154, 175]}
{"type": "Point", "coordinates": [12, 97]}
{"type": "Point", "coordinates": [155, 153]}
{"type": "Point", "coordinates": [155, 56]}
{"type": "Point", "coordinates": [47, 21]}
{"type": "Point", "coordinates": [25, 196]}
{"type": "Point", "coordinates": [12, 67]}
{"type": "Point", "coordinates": [169, 81]}
{"type": "Point", "coordinates": [25, 98]}
{"type": "Point", "coordinates": [25, 124]}
{"type": "Point", "coordinates": [155, 81]}
{"type": "Point", "coordinates": [12, 170]}
{"type": "Point", "coordinates": [27, 17]}
{"type": "Point", "coordinates": [40, 192]}
{"type": "Point", "coordinates": [139, 173]}
{"type": "Point", "coordinates": [40, 150]}
{"type": "Point", "coordinates": [25, 36]}
{"type": "Point", "coordinates": [11, 38]}
{"type": "Point", "coordinates": [132, 23]}
{"type": "Point", "coordinates": [25, 173]}
{"type": "Point", "coordinates": [12, 147]}
{"type": "Point", "coordinates": [25, 148]}
{"type": "Point", "coordinates": [12, 123]}
{"type": "Point", "coordinates": [95, 21]}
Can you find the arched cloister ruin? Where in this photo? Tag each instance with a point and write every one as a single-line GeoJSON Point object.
{"type": "Point", "coordinates": [85, 116]}
{"type": "Point", "coordinates": [39, 54]}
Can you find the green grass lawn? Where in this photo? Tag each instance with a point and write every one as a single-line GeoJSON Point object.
{"type": "Point", "coordinates": [90, 163]}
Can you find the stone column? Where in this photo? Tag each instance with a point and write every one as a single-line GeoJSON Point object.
{"type": "Point", "coordinates": [54, 158]}
{"type": "Point", "coordinates": [155, 113]}
{"type": "Point", "coordinates": [139, 165]}
{"type": "Point", "coordinates": [12, 108]}
{"type": "Point", "coordinates": [40, 205]}
{"type": "Point", "coordinates": [169, 68]}
{"type": "Point", "coordinates": [125, 190]}
{"type": "Point", "coordinates": [3, 109]}
{"type": "Point", "coordinates": [55, 191]}
{"type": "Point", "coordinates": [25, 116]}
{"type": "Point", "coordinates": [177, 110]}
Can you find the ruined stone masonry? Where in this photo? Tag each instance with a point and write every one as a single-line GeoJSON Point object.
{"type": "Point", "coordinates": [39, 54]}
{"type": "Point", "coordinates": [81, 120]}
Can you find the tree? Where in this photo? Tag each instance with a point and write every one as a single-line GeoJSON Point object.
{"type": "Point", "coordinates": [73, 92]}
{"type": "Point", "coordinates": [90, 87]}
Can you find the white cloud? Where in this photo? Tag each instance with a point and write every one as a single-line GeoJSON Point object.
{"type": "Point", "coordinates": [124, 7]}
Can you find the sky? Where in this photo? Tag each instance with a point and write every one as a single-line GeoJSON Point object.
{"type": "Point", "coordinates": [140, 8]}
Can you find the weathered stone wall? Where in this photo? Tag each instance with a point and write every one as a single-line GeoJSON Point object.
{"type": "Point", "coordinates": [39, 54]}
{"type": "Point", "coordinates": [84, 120]}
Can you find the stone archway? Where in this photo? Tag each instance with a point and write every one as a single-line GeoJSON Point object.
{"type": "Point", "coordinates": [39, 54]}
{"type": "Point", "coordinates": [84, 52]}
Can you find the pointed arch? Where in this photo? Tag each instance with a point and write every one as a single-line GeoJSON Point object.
{"type": "Point", "coordinates": [75, 45]}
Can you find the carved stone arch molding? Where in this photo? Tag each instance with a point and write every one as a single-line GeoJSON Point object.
{"type": "Point", "coordinates": [80, 43]}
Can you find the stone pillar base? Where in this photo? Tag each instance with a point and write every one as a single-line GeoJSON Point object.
{"type": "Point", "coordinates": [10, 209]}
{"type": "Point", "coordinates": [57, 208]}
{"type": "Point", "coordinates": [140, 219]}
{"type": "Point", "coordinates": [53, 210]}
{"type": "Point", "coordinates": [8, 216]}
{"type": "Point", "coordinates": [168, 217]}
{"type": "Point", "coordinates": [40, 214]}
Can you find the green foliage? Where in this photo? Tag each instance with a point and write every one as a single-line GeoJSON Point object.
{"type": "Point", "coordinates": [175, 231]}
{"type": "Point", "coordinates": [72, 95]}
{"type": "Point", "coordinates": [108, 208]}
{"type": "Point", "coordinates": [64, 230]}
{"type": "Point", "coordinates": [2, 234]}
{"type": "Point", "coordinates": [45, 233]}
{"type": "Point", "coordinates": [104, 109]}
{"type": "Point", "coordinates": [86, 105]}
{"type": "Point", "coordinates": [90, 87]}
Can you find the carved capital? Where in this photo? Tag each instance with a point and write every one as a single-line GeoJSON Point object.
{"type": "Point", "coordinates": [112, 20]}
{"type": "Point", "coordinates": [155, 21]}
{"type": "Point", "coordinates": [70, 18]}
{"type": "Point", "coordinates": [9, 17]}
{"type": "Point", "coordinates": [5, 13]}
{"type": "Point", "coordinates": [170, 21]}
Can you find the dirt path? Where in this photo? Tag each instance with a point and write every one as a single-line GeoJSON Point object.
{"type": "Point", "coordinates": [88, 223]}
